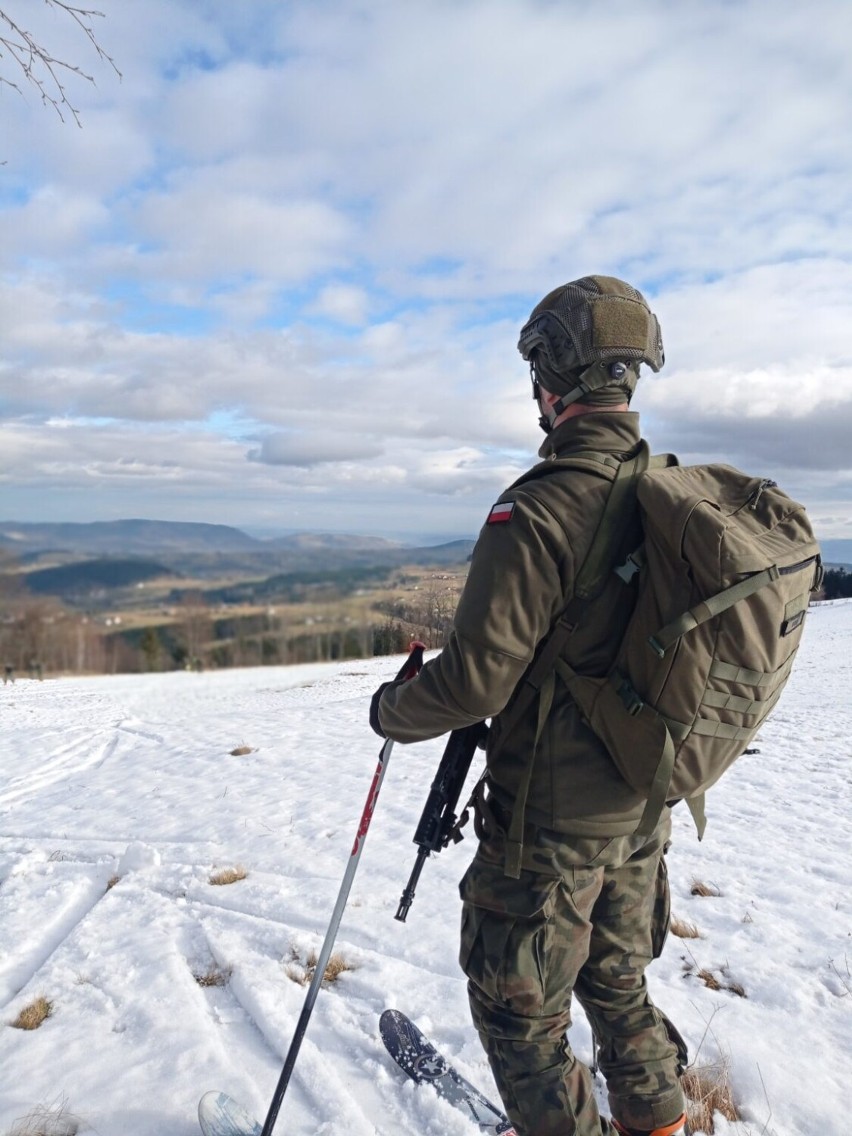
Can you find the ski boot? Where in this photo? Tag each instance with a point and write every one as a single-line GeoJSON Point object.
{"type": "Point", "coordinates": [679, 1128]}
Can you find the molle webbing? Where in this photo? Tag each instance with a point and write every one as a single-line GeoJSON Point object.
{"type": "Point", "coordinates": [719, 700]}
{"type": "Point", "coordinates": [728, 672]}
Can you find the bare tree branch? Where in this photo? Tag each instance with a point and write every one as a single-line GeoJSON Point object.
{"type": "Point", "coordinates": [40, 67]}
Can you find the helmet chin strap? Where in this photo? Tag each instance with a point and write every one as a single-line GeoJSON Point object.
{"type": "Point", "coordinates": [586, 383]}
{"type": "Point", "coordinates": [547, 418]}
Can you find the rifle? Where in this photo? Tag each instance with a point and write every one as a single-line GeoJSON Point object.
{"type": "Point", "coordinates": [439, 823]}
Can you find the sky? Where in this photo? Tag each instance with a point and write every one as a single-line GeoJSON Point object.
{"type": "Point", "coordinates": [276, 276]}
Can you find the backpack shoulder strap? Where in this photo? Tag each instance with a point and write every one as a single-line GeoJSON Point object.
{"type": "Point", "coordinates": [589, 461]}
{"type": "Point", "coordinates": [600, 561]}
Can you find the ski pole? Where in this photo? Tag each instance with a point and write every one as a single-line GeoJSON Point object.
{"type": "Point", "coordinates": [410, 668]}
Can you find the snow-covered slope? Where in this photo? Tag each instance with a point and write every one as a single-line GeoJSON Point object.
{"type": "Point", "coordinates": [120, 796]}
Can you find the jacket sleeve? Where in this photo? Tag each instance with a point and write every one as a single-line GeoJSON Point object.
{"type": "Point", "coordinates": [520, 575]}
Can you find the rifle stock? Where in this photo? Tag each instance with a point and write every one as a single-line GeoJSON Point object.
{"type": "Point", "coordinates": [438, 819]}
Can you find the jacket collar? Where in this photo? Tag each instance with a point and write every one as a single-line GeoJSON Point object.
{"type": "Point", "coordinates": [611, 432]}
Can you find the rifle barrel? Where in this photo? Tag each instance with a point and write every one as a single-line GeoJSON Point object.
{"type": "Point", "coordinates": [407, 897]}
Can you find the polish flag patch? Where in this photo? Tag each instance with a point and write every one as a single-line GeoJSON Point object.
{"type": "Point", "coordinates": [501, 513]}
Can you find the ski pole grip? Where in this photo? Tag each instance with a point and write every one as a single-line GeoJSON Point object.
{"type": "Point", "coordinates": [413, 663]}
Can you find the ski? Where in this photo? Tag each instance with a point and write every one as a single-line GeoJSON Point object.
{"type": "Point", "coordinates": [420, 1060]}
{"type": "Point", "coordinates": [220, 1115]}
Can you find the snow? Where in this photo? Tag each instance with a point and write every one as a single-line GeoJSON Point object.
{"type": "Point", "coordinates": [119, 796]}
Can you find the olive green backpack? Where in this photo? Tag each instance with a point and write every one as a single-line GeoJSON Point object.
{"type": "Point", "coordinates": [723, 573]}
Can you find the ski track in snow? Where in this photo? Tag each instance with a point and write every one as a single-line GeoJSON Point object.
{"type": "Point", "coordinates": [49, 903]}
{"type": "Point", "coordinates": [131, 777]}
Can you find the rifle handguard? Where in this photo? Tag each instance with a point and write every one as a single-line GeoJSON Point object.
{"type": "Point", "coordinates": [438, 822]}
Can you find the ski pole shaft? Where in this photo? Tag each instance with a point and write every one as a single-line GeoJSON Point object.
{"type": "Point", "coordinates": [410, 668]}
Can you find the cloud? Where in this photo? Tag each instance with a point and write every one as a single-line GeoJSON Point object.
{"type": "Point", "coordinates": [790, 312]}
{"type": "Point", "coordinates": [291, 250]}
{"type": "Point", "coordinates": [344, 303]}
{"type": "Point", "coordinates": [815, 440]}
{"type": "Point", "coordinates": [301, 450]}
{"type": "Point", "coordinates": [195, 230]}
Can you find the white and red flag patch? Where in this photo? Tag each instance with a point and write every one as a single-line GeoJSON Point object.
{"type": "Point", "coordinates": [501, 513]}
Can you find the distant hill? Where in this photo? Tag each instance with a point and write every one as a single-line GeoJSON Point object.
{"type": "Point", "coordinates": [323, 541]}
{"type": "Point", "coordinates": [78, 561]}
{"type": "Point", "coordinates": [123, 537]}
{"type": "Point", "coordinates": [92, 576]}
{"type": "Point", "coordinates": [196, 547]}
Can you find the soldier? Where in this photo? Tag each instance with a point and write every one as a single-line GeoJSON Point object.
{"type": "Point", "coordinates": [562, 897]}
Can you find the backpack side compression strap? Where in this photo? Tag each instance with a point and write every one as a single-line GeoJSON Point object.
{"type": "Point", "coordinates": [668, 635]}
{"type": "Point", "coordinates": [708, 609]}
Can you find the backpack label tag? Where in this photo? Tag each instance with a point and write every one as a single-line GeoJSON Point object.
{"type": "Point", "coordinates": [790, 625]}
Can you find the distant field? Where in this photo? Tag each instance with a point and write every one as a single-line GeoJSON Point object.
{"type": "Point", "coordinates": [117, 615]}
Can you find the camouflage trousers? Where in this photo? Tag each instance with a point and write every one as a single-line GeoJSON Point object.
{"type": "Point", "coordinates": [586, 918]}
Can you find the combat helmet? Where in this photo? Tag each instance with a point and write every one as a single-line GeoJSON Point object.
{"type": "Point", "coordinates": [586, 339]}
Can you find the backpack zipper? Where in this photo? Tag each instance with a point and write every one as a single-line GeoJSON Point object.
{"type": "Point", "coordinates": [754, 497]}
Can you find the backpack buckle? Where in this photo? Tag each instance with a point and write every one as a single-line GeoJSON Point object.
{"type": "Point", "coordinates": [628, 569]}
{"type": "Point", "coordinates": [633, 704]}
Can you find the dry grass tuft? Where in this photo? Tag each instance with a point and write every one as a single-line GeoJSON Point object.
{"type": "Point", "coordinates": [241, 751]}
{"type": "Point", "coordinates": [699, 888]}
{"type": "Point", "coordinates": [228, 876]}
{"type": "Point", "coordinates": [47, 1120]}
{"type": "Point", "coordinates": [112, 881]}
{"type": "Point", "coordinates": [337, 965]}
{"type": "Point", "coordinates": [711, 981]}
{"type": "Point", "coordinates": [684, 930]}
{"type": "Point", "coordinates": [303, 972]}
{"type": "Point", "coordinates": [32, 1016]}
{"type": "Point", "coordinates": [708, 1090]}
{"type": "Point", "coordinates": [213, 976]}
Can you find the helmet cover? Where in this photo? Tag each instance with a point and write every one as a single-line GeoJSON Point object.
{"type": "Point", "coordinates": [589, 321]}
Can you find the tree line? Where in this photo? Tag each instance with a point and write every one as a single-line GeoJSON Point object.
{"type": "Point", "coordinates": [39, 635]}
{"type": "Point", "coordinates": [837, 584]}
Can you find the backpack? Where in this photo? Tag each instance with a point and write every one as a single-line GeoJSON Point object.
{"type": "Point", "coordinates": [723, 573]}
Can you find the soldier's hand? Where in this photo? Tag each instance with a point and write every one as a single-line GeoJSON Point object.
{"type": "Point", "coordinates": [374, 709]}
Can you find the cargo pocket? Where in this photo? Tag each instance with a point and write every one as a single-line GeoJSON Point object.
{"type": "Point", "coordinates": [662, 916]}
{"type": "Point", "coordinates": [676, 1038]}
{"type": "Point", "coordinates": [506, 935]}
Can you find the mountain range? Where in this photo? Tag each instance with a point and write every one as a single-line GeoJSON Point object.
{"type": "Point", "coordinates": [208, 549]}
{"type": "Point", "coordinates": [193, 544]}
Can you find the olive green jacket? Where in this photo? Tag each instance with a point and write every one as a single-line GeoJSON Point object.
{"type": "Point", "coordinates": [521, 576]}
